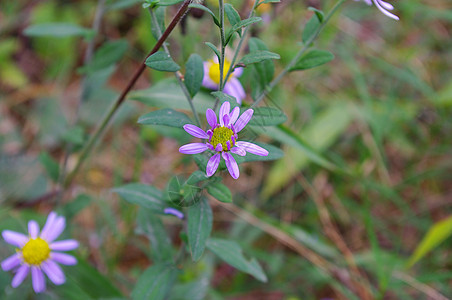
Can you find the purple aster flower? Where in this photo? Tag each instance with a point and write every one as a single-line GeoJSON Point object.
{"type": "Point", "coordinates": [211, 79]}
{"type": "Point", "coordinates": [383, 6]}
{"type": "Point", "coordinates": [222, 138]}
{"type": "Point", "coordinates": [39, 254]}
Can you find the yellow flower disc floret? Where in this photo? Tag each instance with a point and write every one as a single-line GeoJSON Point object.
{"type": "Point", "coordinates": [35, 251]}
{"type": "Point", "coordinates": [214, 70]}
{"type": "Point", "coordinates": [220, 136]}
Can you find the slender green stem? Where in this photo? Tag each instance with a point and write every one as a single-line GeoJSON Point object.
{"type": "Point", "coordinates": [86, 151]}
{"type": "Point", "coordinates": [239, 46]}
{"type": "Point", "coordinates": [177, 74]}
{"type": "Point", "coordinates": [297, 57]}
{"type": "Point", "coordinates": [223, 49]}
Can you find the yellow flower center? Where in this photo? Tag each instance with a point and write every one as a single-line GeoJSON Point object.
{"type": "Point", "coordinates": [220, 136]}
{"type": "Point", "coordinates": [214, 70]}
{"type": "Point", "coordinates": [36, 251]}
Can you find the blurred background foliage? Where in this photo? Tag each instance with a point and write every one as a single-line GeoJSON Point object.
{"type": "Point", "coordinates": [380, 112]}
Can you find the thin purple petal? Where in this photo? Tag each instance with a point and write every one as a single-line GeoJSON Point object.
{"type": "Point", "coordinates": [63, 258]}
{"type": "Point", "coordinates": [174, 212]}
{"type": "Point", "coordinates": [243, 120]}
{"type": "Point", "coordinates": [231, 164]}
{"type": "Point", "coordinates": [237, 72]}
{"type": "Point", "coordinates": [238, 151]}
{"type": "Point", "coordinates": [233, 116]}
{"type": "Point", "coordinates": [212, 164]}
{"type": "Point", "coordinates": [15, 238]}
{"type": "Point", "coordinates": [193, 148]}
{"type": "Point", "coordinates": [211, 117]}
{"type": "Point", "coordinates": [195, 131]}
{"type": "Point", "coordinates": [219, 147]}
{"type": "Point", "coordinates": [53, 271]}
{"type": "Point", "coordinates": [33, 229]}
{"type": "Point", "coordinates": [11, 262]}
{"type": "Point", "coordinates": [224, 109]}
{"type": "Point", "coordinates": [38, 280]}
{"type": "Point", "coordinates": [48, 225]}
{"type": "Point", "coordinates": [56, 230]}
{"type": "Point", "coordinates": [21, 274]}
{"type": "Point", "coordinates": [252, 148]}
{"type": "Point", "coordinates": [378, 4]}
{"type": "Point", "coordinates": [65, 245]}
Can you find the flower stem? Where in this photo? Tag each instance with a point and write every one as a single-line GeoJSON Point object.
{"type": "Point", "coordinates": [297, 57]}
{"type": "Point", "coordinates": [103, 124]}
{"type": "Point", "coordinates": [177, 74]}
{"type": "Point", "coordinates": [223, 49]}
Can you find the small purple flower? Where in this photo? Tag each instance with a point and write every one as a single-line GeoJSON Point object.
{"type": "Point", "coordinates": [222, 138]}
{"type": "Point", "coordinates": [174, 212]}
{"type": "Point", "coordinates": [383, 7]}
{"type": "Point", "coordinates": [39, 254]}
{"type": "Point", "coordinates": [211, 79]}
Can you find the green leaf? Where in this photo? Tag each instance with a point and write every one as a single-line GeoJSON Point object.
{"type": "Point", "coordinates": [225, 97]}
{"type": "Point", "coordinates": [168, 94]}
{"type": "Point", "coordinates": [155, 282]}
{"type": "Point", "coordinates": [162, 62]}
{"type": "Point", "coordinates": [182, 193]}
{"type": "Point", "coordinates": [155, 231]}
{"type": "Point", "coordinates": [262, 71]}
{"type": "Point", "coordinates": [310, 29]}
{"type": "Point", "coordinates": [50, 165]}
{"type": "Point", "coordinates": [231, 253]}
{"type": "Point", "coordinates": [169, 2]}
{"type": "Point", "coordinates": [204, 8]}
{"type": "Point", "coordinates": [320, 15]}
{"type": "Point", "coordinates": [58, 30]}
{"type": "Point", "coordinates": [143, 195]}
{"type": "Point", "coordinates": [107, 55]}
{"type": "Point", "coordinates": [439, 232]}
{"type": "Point", "coordinates": [313, 59]}
{"type": "Point", "coordinates": [166, 116]}
{"type": "Point", "coordinates": [238, 26]}
{"type": "Point", "coordinates": [267, 116]}
{"type": "Point", "coordinates": [194, 73]}
{"type": "Point", "coordinates": [214, 49]}
{"type": "Point", "coordinates": [258, 56]}
{"type": "Point", "coordinates": [269, 1]}
{"type": "Point", "coordinates": [196, 177]}
{"type": "Point", "coordinates": [199, 227]}
{"type": "Point", "coordinates": [232, 14]}
{"type": "Point", "coordinates": [220, 192]}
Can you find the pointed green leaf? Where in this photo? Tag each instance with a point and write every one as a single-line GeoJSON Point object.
{"type": "Point", "coordinates": [155, 282]}
{"type": "Point", "coordinates": [143, 195]}
{"type": "Point", "coordinates": [313, 59]}
{"type": "Point", "coordinates": [199, 227]}
{"type": "Point", "coordinates": [57, 30]}
{"type": "Point", "coordinates": [267, 116]}
{"type": "Point", "coordinates": [258, 56]}
{"type": "Point", "coordinates": [166, 116]}
{"type": "Point", "coordinates": [232, 14]}
{"type": "Point", "coordinates": [231, 253]}
{"type": "Point", "coordinates": [162, 62]}
{"type": "Point", "coordinates": [311, 28]}
{"type": "Point", "coordinates": [194, 73]}
{"type": "Point", "coordinates": [220, 192]}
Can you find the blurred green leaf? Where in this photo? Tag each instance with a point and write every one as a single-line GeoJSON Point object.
{"type": "Point", "coordinates": [267, 116]}
{"type": "Point", "coordinates": [220, 192]}
{"type": "Point", "coordinates": [51, 166]}
{"type": "Point", "coordinates": [143, 195]}
{"type": "Point", "coordinates": [194, 73]}
{"type": "Point", "coordinates": [274, 153]}
{"type": "Point", "coordinates": [231, 253]}
{"type": "Point", "coordinates": [199, 227]}
{"type": "Point", "coordinates": [152, 227]}
{"type": "Point", "coordinates": [313, 59]}
{"type": "Point", "coordinates": [166, 116]}
{"type": "Point", "coordinates": [435, 236]}
{"type": "Point", "coordinates": [258, 56]}
{"type": "Point", "coordinates": [162, 62]}
{"type": "Point", "coordinates": [238, 26]}
{"type": "Point", "coordinates": [57, 30]}
{"type": "Point", "coordinates": [214, 49]}
{"type": "Point", "coordinates": [155, 282]}
{"type": "Point", "coordinates": [320, 15]}
{"type": "Point", "coordinates": [263, 71]}
{"type": "Point", "coordinates": [310, 28]}
{"type": "Point", "coordinates": [232, 14]}
{"type": "Point", "coordinates": [107, 55]}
